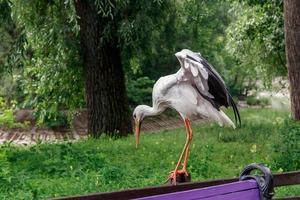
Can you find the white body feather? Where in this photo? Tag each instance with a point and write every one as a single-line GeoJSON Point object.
{"type": "Point", "coordinates": [168, 91]}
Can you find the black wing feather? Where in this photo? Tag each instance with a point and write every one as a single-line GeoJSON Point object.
{"type": "Point", "coordinates": [236, 111]}
{"type": "Point", "coordinates": [218, 90]}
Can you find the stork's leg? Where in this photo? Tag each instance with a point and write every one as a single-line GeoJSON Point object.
{"type": "Point", "coordinates": [190, 135]}
{"type": "Point", "coordinates": [174, 173]}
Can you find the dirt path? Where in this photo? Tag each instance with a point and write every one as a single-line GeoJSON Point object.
{"type": "Point", "coordinates": [36, 135]}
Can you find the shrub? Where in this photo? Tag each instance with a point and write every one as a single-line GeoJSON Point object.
{"type": "Point", "coordinates": [287, 147]}
{"type": "Point", "coordinates": [140, 90]}
{"type": "Point", "coordinates": [53, 119]}
{"type": "Point", "coordinates": [263, 101]}
{"type": "Point", "coordinates": [7, 116]}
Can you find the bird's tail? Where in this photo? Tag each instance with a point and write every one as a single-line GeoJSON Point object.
{"type": "Point", "coordinates": [225, 120]}
{"type": "Point", "coordinates": [235, 110]}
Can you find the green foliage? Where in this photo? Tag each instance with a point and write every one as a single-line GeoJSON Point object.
{"type": "Point", "coordinates": [12, 39]}
{"type": "Point", "coordinates": [287, 146]}
{"type": "Point", "coordinates": [255, 39]}
{"type": "Point", "coordinates": [147, 35]}
{"type": "Point", "coordinates": [258, 101]}
{"type": "Point", "coordinates": [52, 76]}
{"type": "Point", "coordinates": [140, 90]}
{"type": "Point", "coordinates": [7, 115]}
{"type": "Point", "coordinates": [5, 171]}
{"type": "Point", "coordinates": [61, 120]}
{"type": "Point", "coordinates": [51, 170]}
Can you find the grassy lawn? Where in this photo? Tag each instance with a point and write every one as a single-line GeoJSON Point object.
{"type": "Point", "coordinates": [53, 170]}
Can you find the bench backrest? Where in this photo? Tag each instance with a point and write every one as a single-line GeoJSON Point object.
{"type": "Point", "coordinates": [246, 190]}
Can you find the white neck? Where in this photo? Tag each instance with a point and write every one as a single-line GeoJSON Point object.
{"type": "Point", "coordinates": [151, 111]}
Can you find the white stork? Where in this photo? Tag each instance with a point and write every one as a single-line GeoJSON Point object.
{"type": "Point", "coordinates": [195, 90]}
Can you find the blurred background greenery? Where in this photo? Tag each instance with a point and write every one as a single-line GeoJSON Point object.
{"type": "Point", "coordinates": [41, 67]}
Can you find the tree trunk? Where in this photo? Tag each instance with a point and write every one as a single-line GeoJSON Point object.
{"type": "Point", "coordinates": [292, 47]}
{"type": "Point", "coordinates": [106, 98]}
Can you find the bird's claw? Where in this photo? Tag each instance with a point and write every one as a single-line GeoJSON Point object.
{"type": "Point", "coordinates": [173, 175]}
{"type": "Point", "coordinates": [172, 178]}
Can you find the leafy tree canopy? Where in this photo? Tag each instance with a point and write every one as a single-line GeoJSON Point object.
{"type": "Point", "coordinates": [255, 39]}
{"type": "Point", "coordinates": [39, 45]}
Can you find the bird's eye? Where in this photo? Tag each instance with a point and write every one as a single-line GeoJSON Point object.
{"type": "Point", "coordinates": [134, 116]}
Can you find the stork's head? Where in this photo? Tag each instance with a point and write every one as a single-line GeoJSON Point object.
{"type": "Point", "coordinates": [138, 116]}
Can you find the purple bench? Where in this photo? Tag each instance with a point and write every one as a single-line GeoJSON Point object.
{"type": "Point", "coordinates": [246, 190]}
{"type": "Point", "coordinates": [249, 187]}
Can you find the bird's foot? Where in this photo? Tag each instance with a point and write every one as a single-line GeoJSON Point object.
{"type": "Point", "coordinates": [178, 176]}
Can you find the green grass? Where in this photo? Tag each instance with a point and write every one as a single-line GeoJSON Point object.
{"type": "Point", "coordinates": [53, 170]}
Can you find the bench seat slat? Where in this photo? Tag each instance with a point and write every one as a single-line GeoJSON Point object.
{"type": "Point", "coordinates": [226, 191]}
{"type": "Point", "coordinates": [252, 194]}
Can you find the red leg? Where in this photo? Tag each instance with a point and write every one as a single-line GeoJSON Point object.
{"type": "Point", "coordinates": [185, 150]}
{"type": "Point", "coordinates": [188, 147]}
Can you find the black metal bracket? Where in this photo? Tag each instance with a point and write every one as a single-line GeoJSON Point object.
{"type": "Point", "coordinates": [265, 182]}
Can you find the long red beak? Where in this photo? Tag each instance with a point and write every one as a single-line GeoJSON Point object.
{"type": "Point", "coordinates": [137, 132]}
